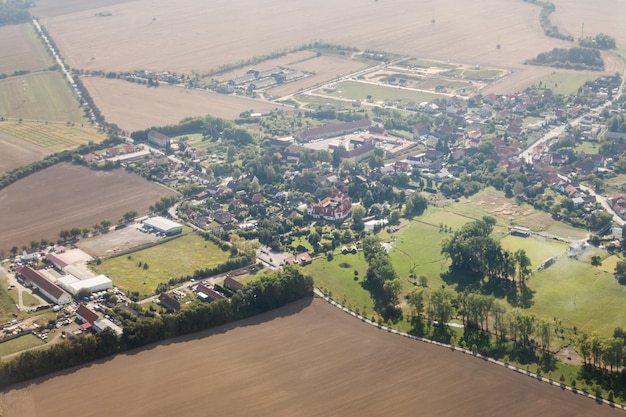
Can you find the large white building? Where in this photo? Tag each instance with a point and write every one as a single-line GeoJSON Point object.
{"type": "Point", "coordinates": [163, 225]}
{"type": "Point", "coordinates": [72, 284]}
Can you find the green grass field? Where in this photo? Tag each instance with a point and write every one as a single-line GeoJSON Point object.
{"type": "Point", "coordinates": [538, 249]}
{"type": "Point", "coordinates": [359, 91]}
{"type": "Point", "coordinates": [580, 295]}
{"type": "Point", "coordinates": [53, 136]}
{"type": "Point", "coordinates": [337, 276]}
{"type": "Point", "coordinates": [29, 300]}
{"type": "Point", "coordinates": [43, 96]}
{"type": "Point", "coordinates": [431, 83]}
{"type": "Point", "coordinates": [424, 63]}
{"type": "Point", "coordinates": [20, 343]}
{"type": "Point", "coordinates": [178, 257]}
{"type": "Point", "coordinates": [566, 82]}
{"type": "Point", "coordinates": [590, 148]}
{"type": "Point", "coordinates": [481, 74]}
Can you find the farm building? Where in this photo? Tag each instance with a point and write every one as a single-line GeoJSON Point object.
{"type": "Point", "coordinates": [104, 323]}
{"type": "Point", "coordinates": [333, 130]}
{"type": "Point", "coordinates": [72, 284]}
{"type": "Point", "coordinates": [49, 290]}
{"type": "Point", "coordinates": [232, 284]}
{"type": "Point", "coordinates": [300, 259]}
{"type": "Point", "coordinates": [207, 294]}
{"type": "Point", "coordinates": [163, 225]}
{"type": "Point", "coordinates": [86, 316]}
{"type": "Point", "coordinates": [158, 139]}
{"type": "Point", "coordinates": [169, 302]}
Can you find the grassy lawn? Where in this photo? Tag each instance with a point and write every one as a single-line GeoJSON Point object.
{"type": "Point", "coordinates": [538, 249]}
{"type": "Point", "coordinates": [424, 63]}
{"type": "Point", "coordinates": [356, 90]}
{"type": "Point", "coordinates": [431, 83]}
{"type": "Point", "coordinates": [178, 257]}
{"type": "Point", "coordinates": [29, 300]}
{"type": "Point", "coordinates": [337, 276]}
{"type": "Point", "coordinates": [7, 302]}
{"type": "Point", "coordinates": [481, 74]}
{"type": "Point", "coordinates": [53, 136]}
{"type": "Point", "coordinates": [20, 343]}
{"type": "Point", "coordinates": [580, 295]}
{"type": "Point", "coordinates": [43, 96]}
{"type": "Point", "coordinates": [566, 82]}
{"type": "Point", "coordinates": [566, 231]}
{"type": "Point", "coordinates": [590, 148]}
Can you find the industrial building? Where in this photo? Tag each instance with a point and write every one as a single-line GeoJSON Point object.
{"type": "Point", "coordinates": [49, 290]}
{"type": "Point", "coordinates": [163, 225]}
{"type": "Point", "coordinates": [72, 284]}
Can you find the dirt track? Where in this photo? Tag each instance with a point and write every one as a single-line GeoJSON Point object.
{"type": "Point", "coordinates": [307, 359]}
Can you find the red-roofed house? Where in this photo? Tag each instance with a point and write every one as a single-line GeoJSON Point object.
{"type": "Point", "coordinates": [169, 302]}
{"type": "Point", "coordinates": [232, 284]}
{"type": "Point", "coordinates": [208, 294]}
{"type": "Point", "coordinates": [56, 261]}
{"type": "Point", "coordinates": [85, 315]}
{"type": "Point", "coordinates": [51, 291]}
{"type": "Point", "coordinates": [336, 206]}
{"type": "Point", "coordinates": [300, 259]}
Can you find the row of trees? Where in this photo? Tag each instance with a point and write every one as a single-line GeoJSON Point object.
{"type": "Point", "coordinates": [14, 11]}
{"type": "Point", "coordinates": [472, 249]}
{"type": "Point", "coordinates": [573, 58]}
{"type": "Point", "coordinates": [476, 310]}
{"type": "Point", "coordinates": [268, 292]}
{"type": "Point", "coordinates": [381, 279]}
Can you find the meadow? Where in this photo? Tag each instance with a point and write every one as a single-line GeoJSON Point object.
{"type": "Point", "coordinates": [20, 343]}
{"type": "Point", "coordinates": [360, 90]}
{"type": "Point", "coordinates": [143, 270]}
{"type": "Point", "coordinates": [41, 96]}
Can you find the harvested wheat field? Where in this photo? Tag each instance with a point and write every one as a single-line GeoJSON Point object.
{"type": "Point", "coordinates": [306, 359]}
{"type": "Point", "coordinates": [135, 107]}
{"type": "Point", "coordinates": [66, 196]}
{"type": "Point", "coordinates": [600, 16]}
{"type": "Point", "coordinates": [184, 36]}
{"type": "Point", "coordinates": [20, 49]}
{"type": "Point", "coordinates": [15, 152]}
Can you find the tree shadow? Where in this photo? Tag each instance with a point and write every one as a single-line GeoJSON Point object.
{"type": "Point", "coordinates": [522, 298]}
{"type": "Point", "coordinates": [463, 280]}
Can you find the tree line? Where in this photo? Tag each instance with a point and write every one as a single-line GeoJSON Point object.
{"type": "Point", "coordinates": [472, 249]}
{"type": "Point", "coordinates": [572, 58]}
{"type": "Point", "coordinates": [266, 293]}
{"type": "Point", "coordinates": [14, 11]}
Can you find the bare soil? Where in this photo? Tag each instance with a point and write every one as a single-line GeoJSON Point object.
{"type": "Point", "coordinates": [20, 49]}
{"type": "Point", "coordinates": [306, 359]}
{"type": "Point", "coordinates": [185, 36]}
{"type": "Point", "coordinates": [66, 196]}
{"type": "Point", "coordinates": [16, 152]}
{"type": "Point", "coordinates": [133, 106]}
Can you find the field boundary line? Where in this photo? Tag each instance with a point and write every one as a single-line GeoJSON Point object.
{"type": "Point", "coordinates": [506, 365]}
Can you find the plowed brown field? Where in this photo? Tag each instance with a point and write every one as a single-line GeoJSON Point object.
{"type": "Point", "coordinates": [133, 107]}
{"type": "Point", "coordinates": [306, 359]}
{"type": "Point", "coordinates": [66, 196]}
{"type": "Point", "coordinates": [188, 35]}
{"type": "Point", "coordinates": [15, 152]}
